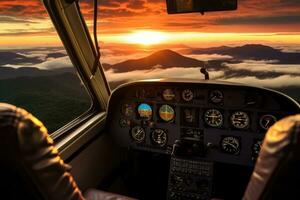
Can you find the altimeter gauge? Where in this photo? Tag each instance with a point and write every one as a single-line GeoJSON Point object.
{"type": "Point", "coordinates": [159, 137]}
{"type": "Point", "coordinates": [266, 121]}
{"type": "Point", "coordinates": [138, 134]}
{"type": "Point", "coordinates": [240, 120]}
{"type": "Point", "coordinates": [213, 118]}
{"type": "Point", "coordinates": [230, 145]}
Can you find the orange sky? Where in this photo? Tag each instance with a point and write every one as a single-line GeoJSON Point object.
{"type": "Point", "coordinates": [25, 23]}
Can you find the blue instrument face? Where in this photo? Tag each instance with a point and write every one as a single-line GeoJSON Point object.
{"type": "Point", "coordinates": [145, 111]}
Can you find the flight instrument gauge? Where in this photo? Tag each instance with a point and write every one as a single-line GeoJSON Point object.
{"type": "Point", "coordinates": [138, 134]}
{"type": "Point", "coordinates": [166, 113]}
{"type": "Point", "coordinates": [216, 96]}
{"type": "Point", "coordinates": [145, 111]}
{"type": "Point", "coordinates": [231, 145]}
{"type": "Point", "coordinates": [267, 121]}
{"type": "Point", "coordinates": [168, 95]}
{"type": "Point", "coordinates": [187, 95]}
{"type": "Point", "coordinates": [127, 110]}
{"type": "Point", "coordinates": [213, 118]}
{"type": "Point", "coordinates": [240, 120]}
{"type": "Point", "coordinates": [159, 137]}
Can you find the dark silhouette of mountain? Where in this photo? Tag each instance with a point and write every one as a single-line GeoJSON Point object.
{"type": "Point", "coordinates": [55, 55]}
{"type": "Point", "coordinates": [9, 72]}
{"type": "Point", "coordinates": [252, 51]}
{"type": "Point", "coordinates": [162, 59]}
{"type": "Point", "coordinates": [7, 57]}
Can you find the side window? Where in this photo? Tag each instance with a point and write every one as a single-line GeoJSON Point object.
{"type": "Point", "coordinates": [35, 71]}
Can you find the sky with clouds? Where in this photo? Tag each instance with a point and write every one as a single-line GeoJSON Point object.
{"type": "Point", "coordinates": [26, 22]}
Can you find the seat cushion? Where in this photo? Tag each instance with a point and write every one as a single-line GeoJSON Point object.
{"type": "Point", "coordinates": [93, 194]}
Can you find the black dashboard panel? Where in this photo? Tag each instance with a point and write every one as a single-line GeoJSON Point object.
{"type": "Point", "coordinates": [229, 119]}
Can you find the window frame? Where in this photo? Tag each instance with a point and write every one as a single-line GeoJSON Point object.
{"type": "Point", "coordinates": [74, 34]}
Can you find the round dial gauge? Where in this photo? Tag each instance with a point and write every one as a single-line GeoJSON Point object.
{"type": "Point", "coordinates": [213, 118]}
{"type": "Point", "coordinates": [124, 122]}
{"type": "Point", "coordinates": [230, 145]}
{"type": "Point", "coordinates": [159, 137]}
{"type": "Point", "coordinates": [216, 96]}
{"type": "Point", "coordinates": [145, 111]}
{"type": "Point", "coordinates": [256, 148]}
{"type": "Point", "coordinates": [267, 121]}
{"type": "Point", "coordinates": [187, 95]}
{"type": "Point", "coordinates": [166, 113]}
{"type": "Point", "coordinates": [127, 110]}
{"type": "Point", "coordinates": [240, 120]}
{"type": "Point", "coordinates": [138, 134]}
{"type": "Point", "coordinates": [168, 94]}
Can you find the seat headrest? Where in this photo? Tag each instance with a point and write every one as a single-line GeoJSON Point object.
{"type": "Point", "coordinates": [276, 173]}
{"type": "Point", "coordinates": [26, 146]}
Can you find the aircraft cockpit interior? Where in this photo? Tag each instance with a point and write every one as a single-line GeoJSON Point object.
{"type": "Point", "coordinates": [150, 100]}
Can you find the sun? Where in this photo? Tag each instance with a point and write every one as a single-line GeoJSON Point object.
{"type": "Point", "coordinates": [145, 37]}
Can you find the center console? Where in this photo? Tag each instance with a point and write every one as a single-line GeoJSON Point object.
{"type": "Point", "coordinates": [189, 176]}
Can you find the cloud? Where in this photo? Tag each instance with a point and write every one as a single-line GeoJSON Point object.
{"type": "Point", "coordinates": [157, 72]}
{"type": "Point", "coordinates": [271, 20]}
{"type": "Point", "coordinates": [207, 57]}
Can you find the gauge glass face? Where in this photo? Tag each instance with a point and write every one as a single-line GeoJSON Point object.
{"type": "Point", "coordinates": [267, 121]}
{"type": "Point", "coordinates": [138, 134]}
{"type": "Point", "coordinates": [159, 137]}
{"type": "Point", "coordinates": [145, 111]}
{"type": "Point", "coordinates": [216, 96]}
{"type": "Point", "coordinates": [240, 120]}
{"type": "Point", "coordinates": [168, 95]}
{"type": "Point", "coordinates": [124, 122]}
{"type": "Point", "coordinates": [187, 95]}
{"type": "Point", "coordinates": [166, 113]}
{"type": "Point", "coordinates": [230, 145]}
{"type": "Point", "coordinates": [127, 110]}
{"type": "Point", "coordinates": [213, 118]}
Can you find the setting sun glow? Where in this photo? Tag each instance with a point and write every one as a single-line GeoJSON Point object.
{"type": "Point", "coordinates": [145, 37]}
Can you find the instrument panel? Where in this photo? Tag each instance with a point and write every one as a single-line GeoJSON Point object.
{"type": "Point", "coordinates": [229, 119]}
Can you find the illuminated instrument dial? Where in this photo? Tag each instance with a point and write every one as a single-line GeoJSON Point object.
{"type": "Point", "coordinates": [138, 134]}
{"type": "Point", "coordinates": [145, 111]}
{"type": "Point", "coordinates": [166, 113]}
{"type": "Point", "coordinates": [216, 96]}
{"type": "Point", "coordinates": [240, 120]}
{"type": "Point", "coordinates": [168, 94]}
{"type": "Point", "coordinates": [127, 110]}
{"type": "Point", "coordinates": [124, 122]}
{"type": "Point", "coordinates": [256, 148]}
{"type": "Point", "coordinates": [187, 95]}
{"type": "Point", "coordinates": [213, 118]}
{"type": "Point", "coordinates": [267, 121]}
{"type": "Point", "coordinates": [159, 137]}
{"type": "Point", "coordinates": [230, 145]}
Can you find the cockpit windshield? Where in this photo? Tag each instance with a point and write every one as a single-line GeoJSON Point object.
{"type": "Point", "coordinates": [258, 44]}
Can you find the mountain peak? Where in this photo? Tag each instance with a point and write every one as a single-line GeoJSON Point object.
{"type": "Point", "coordinates": [165, 52]}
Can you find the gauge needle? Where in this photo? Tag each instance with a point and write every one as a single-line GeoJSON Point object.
{"type": "Point", "coordinates": [231, 145]}
{"type": "Point", "coordinates": [267, 123]}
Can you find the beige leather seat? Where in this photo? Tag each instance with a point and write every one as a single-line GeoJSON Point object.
{"type": "Point", "coordinates": [30, 165]}
{"type": "Point", "coordinates": [277, 170]}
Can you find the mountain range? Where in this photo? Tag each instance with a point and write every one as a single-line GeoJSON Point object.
{"type": "Point", "coordinates": [161, 59]}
